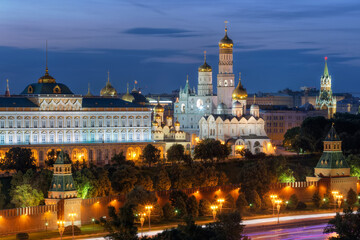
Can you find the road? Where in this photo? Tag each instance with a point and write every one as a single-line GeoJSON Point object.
{"type": "Point", "coordinates": [309, 226]}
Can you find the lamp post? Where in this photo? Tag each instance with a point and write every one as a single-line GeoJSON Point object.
{"type": "Point", "coordinates": [220, 201]}
{"type": "Point", "coordinates": [93, 222]}
{"type": "Point", "coordinates": [142, 220]}
{"type": "Point", "coordinates": [72, 216]}
{"type": "Point", "coordinates": [278, 205]}
{"type": "Point", "coordinates": [273, 197]}
{"type": "Point", "coordinates": [149, 208]}
{"type": "Point", "coordinates": [61, 228]}
{"type": "Point", "coordinates": [335, 193]}
{"type": "Point", "coordinates": [214, 208]}
{"type": "Point", "coordinates": [46, 225]}
{"type": "Point", "coordinates": [338, 198]}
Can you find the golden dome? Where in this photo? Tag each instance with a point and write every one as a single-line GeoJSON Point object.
{"type": "Point", "coordinates": [239, 92]}
{"type": "Point", "coordinates": [158, 107]}
{"type": "Point", "coordinates": [177, 123]}
{"type": "Point", "coordinates": [46, 78]}
{"type": "Point", "coordinates": [127, 96]}
{"type": "Point", "coordinates": [168, 117]}
{"type": "Point", "coordinates": [108, 90]}
{"type": "Point", "coordinates": [205, 67]}
{"type": "Point", "coordinates": [226, 42]}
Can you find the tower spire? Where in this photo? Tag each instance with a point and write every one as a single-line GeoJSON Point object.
{"type": "Point", "coordinates": [226, 22]}
{"type": "Point", "coordinates": [46, 59]}
{"type": "Point", "coordinates": [326, 71]}
{"type": "Point", "coordinates": [7, 92]}
{"type": "Point", "coordinates": [127, 88]}
{"type": "Point", "coordinates": [204, 56]}
{"type": "Point", "coordinates": [108, 80]}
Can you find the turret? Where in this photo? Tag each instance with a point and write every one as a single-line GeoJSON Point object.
{"type": "Point", "coordinates": [205, 86]}
{"type": "Point", "coordinates": [177, 126]}
{"type": "Point", "coordinates": [7, 92]}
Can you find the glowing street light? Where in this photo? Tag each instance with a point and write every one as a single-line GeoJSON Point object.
{"type": "Point", "coordinates": [273, 197]}
{"type": "Point", "coordinates": [278, 205]}
{"type": "Point", "coordinates": [335, 193]}
{"type": "Point", "coordinates": [142, 220]}
{"type": "Point", "coordinates": [214, 208]}
{"type": "Point", "coordinates": [93, 222]}
{"type": "Point", "coordinates": [61, 228]}
{"type": "Point", "coordinates": [149, 208]}
{"type": "Point", "coordinates": [72, 216]}
{"type": "Point", "coordinates": [220, 201]}
{"type": "Point", "coordinates": [338, 198]}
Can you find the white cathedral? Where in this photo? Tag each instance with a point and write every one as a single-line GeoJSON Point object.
{"type": "Point", "coordinates": [222, 116]}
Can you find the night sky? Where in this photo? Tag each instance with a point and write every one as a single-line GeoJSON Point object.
{"type": "Point", "coordinates": [278, 44]}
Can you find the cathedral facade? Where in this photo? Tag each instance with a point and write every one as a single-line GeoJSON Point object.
{"type": "Point", "coordinates": [326, 100]}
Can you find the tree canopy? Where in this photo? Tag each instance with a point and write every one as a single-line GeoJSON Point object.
{"type": "Point", "coordinates": [19, 159]}
{"type": "Point", "coordinates": [210, 149]}
{"type": "Point", "coordinates": [150, 154]}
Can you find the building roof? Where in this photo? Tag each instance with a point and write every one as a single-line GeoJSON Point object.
{"type": "Point", "coordinates": [18, 101]}
{"type": "Point", "coordinates": [332, 135]}
{"type": "Point", "coordinates": [46, 88]}
{"type": "Point", "coordinates": [332, 160]}
{"type": "Point", "coordinates": [230, 117]}
{"type": "Point", "coordinates": [106, 102]}
{"type": "Point", "coordinates": [62, 158]}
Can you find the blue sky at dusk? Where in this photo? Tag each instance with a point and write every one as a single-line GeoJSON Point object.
{"type": "Point", "coordinates": [278, 44]}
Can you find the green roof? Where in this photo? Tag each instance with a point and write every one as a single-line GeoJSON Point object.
{"type": "Point", "coordinates": [46, 88]}
{"type": "Point", "coordinates": [16, 102]}
{"type": "Point", "coordinates": [326, 71]}
{"type": "Point", "coordinates": [66, 183]}
{"type": "Point", "coordinates": [332, 160]}
{"type": "Point", "coordinates": [332, 135]}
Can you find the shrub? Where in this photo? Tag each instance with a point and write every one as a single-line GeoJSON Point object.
{"type": "Point", "coordinates": [68, 230]}
{"type": "Point", "coordinates": [204, 207]}
{"type": "Point", "coordinates": [316, 199]}
{"type": "Point", "coordinates": [168, 211]}
{"type": "Point", "coordinates": [241, 203]}
{"type": "Point", "coordinates": [22, 236]}
{"type": "Point", "coordinates": [254, 200]}
{"type": "Point", "coordinates": [293, 202]}
{"type": "Point", "coordinates": [192, 207]}
{"type": "Point", "coordinates": [301, 205]}
{"type": "Point", "coordinates": [351, 198]}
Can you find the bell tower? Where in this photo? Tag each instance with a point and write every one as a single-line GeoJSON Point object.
{"type": "Point", "coordinates": [225, 77]}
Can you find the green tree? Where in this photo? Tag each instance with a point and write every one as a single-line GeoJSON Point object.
{"type": "Point", "coordinates": [162, 180]}
{"type": "Point", "coordinates": [176, 153]}
{"type": "Point", "coordinates": [101, 183]}
{"type": "Point", "coordinates": [178, 200]}
{"type": "Point", "coordinates": [286, 176]}
{"type": "Point", "coordinates": [119, 158]}
{"type": "Point", "coordinates": [351, 198]}
{"type": "Point", "coordinates": [140, 196]}
{"type": "Point", "coordinates": [228, 226]}
{"type": "Point", "coordinates": [83, 182]}
{"type": "Point", "coordinates": [124, 179]}
{"type": "Point", "coordinates": [204, 207]}
{"type": "Point", "coordinates": [209, 149]}
{"type": "Point", "coordinates": [145, 181]}
{"type": "Point", "coordinates": [241, 203]}
{"type": "Point", "coordinates": [25, 196]}
{"type": "Point", "coordinates": [169, 211]}
{"type": "Point", "coordinates": [254, 200]}
{"type": "Point", "coordinates": [2, 197]}
{"type": "Point", "coordinates": [120, 226]}
{"type": "Point", "coordinates": [51, 157]}
{"type": "Point", "coordinates": [293, 202]}
{"type": "Point", "coordinates": [290, 138]}
{"type": "Point", "coordinates": [150, 154]}
{"type": "Point", "coordinates": [345, 225]}
{"type": "Point", "coordinates": [19, 159]}
{"type": "Point", "coordinates": [192, 206]}
{"type": "Point", "coordinates": [354, 163]}
{"type": "Point", "coordinates": [316, 199]}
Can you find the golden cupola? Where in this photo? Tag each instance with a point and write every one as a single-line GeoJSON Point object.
{"type": "Point", "coordinates": [128, 97]}
{"type": "Point", "coordinates": [205, 67]}
{"type": "Point", "coordinates": [158, 108]}
{"type": "Point", "coordinates": [108, 90]}
{"type": "Point", "coordinates": [226, 42]}
{"type": "Point", "coordinates": [239, 92]}
{"type": "Point", "coordinates": [46, 78]}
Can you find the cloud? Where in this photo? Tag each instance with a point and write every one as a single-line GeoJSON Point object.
{"type": "Point", "coordinates": [173, 59]}
{"type": "Point", "coordinates": [168, 32]}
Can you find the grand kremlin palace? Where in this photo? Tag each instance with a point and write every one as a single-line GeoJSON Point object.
{"type": "Point", "coordinates": [48, 115]}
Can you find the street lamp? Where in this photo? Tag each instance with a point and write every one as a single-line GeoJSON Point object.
{"type": "Point", "coordinates": [72, 216]}
{"type": "Point", "coordinates": [335, 193]}
{"type": "Point", "coordinates": [149, 208]}
{"type": "Point", "coordinates": [273, 197]}
{"type": "Point", "coordinates": [214, 208]}
{"type": "Point", "coordinates": [93, 222]}
{"type": "Point", "coordinates": [220, 201]}
{"type": "Point", "coordinates": [278, 205]}
{"type": "Point", "coordinates": [61, 228]}
{"type": "Point", "coordinates": [338, 198]}
{"type": "Point", "coordinates": [142, 220]}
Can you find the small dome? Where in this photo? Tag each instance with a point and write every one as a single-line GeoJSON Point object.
{"type": "Point", "coordinates": [154, 123]}
{"type": "Point", "coordinates": [226, 42]}
{"type": "Point", "coordinates": [158, 108]}
{"type": "Point", "coordinates": [205, 67]}
{"type": "Point", "coordinates": [239, 92]}
{"type": "Point", "coordinates": [221, 106]}
{"type": "Point", "coordinates": [128, 97]}
{"type": "Point", "coordinates": [108, 90]}
{"type": "Point", "coordinates": [177, 123]}
{"type": "Point", "coordinates": [254, 107]}
{"type": "Point", "coordinates": [236, 104]}
{"type": "Point", "coordinates": [46, 78]}
{"type": "Point", "coordinates": [157, 116]}
{"type": "Point", "coordinates": [168, 117]}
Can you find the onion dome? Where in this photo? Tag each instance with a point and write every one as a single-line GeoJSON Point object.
{"type": "Point", "coordinates": [89, 94]}
{"type": "Point", "coordinates": [226, 42]}
{"type": "Point", "coordinates": [127, 96]}
{"type": "Point", "coordinates": [158, 107]}
{"type": "Point", "coordinates": [108, 90]}
{"type": "Point", "coordinates": [254, 107]}
{"type": "Point", "coordinates": [239, 92]}
{"type": "Point", "coordinates": [168, 117]}
{"type": "Point", "coordinates": [236, 104]}
{"type": "Point", "coordinates": [155, 123]}
{"type": "Point", "coordinates": [221, 106]}
{"type": "Point", "coordinates": [205, 67]}
{"type": "Point", "coordinates": [177, 123]}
